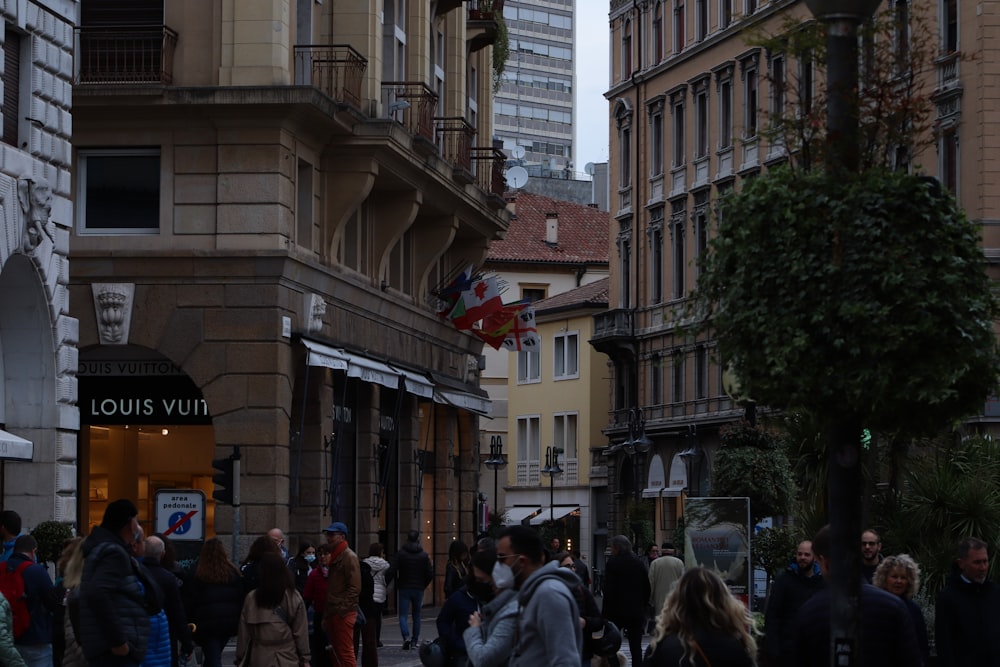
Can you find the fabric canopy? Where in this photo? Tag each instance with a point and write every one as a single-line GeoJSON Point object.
{"type": "Point", "coordinates": [554, 513]}
{"type": "Point", "coordinates": [517, 514]}
{"type": "Point", "coordinates": [15, 448]}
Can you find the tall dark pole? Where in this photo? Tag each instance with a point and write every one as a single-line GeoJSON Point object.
{"type": "Point", "coordinates": [843, 428]}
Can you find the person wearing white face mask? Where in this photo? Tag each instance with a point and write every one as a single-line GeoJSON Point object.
{"type": "Point", "coordinates": [489, 639]}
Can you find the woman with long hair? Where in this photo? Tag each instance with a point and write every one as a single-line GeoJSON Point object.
{"type": "Point", "coordinates": [70, 568]}
{"type": "Point", "coordinates": [249, 568]}
{"type": "Point", "coordinates": [273, 630]}
{"type": "Point", "coordinates": [702, 625]}
{"type": "Point", "coordinates": [315, 597]}
{"type": "Point", "coordinates": [900, 575]}
{"type": "Point", "coordinates": [302, 564]}
{"type": "Point", "coordinates": [457, 568]}
{"type": "Point", "coordinates": [380, 574]}
{"type": "Point", "coordinates": [213, 600]}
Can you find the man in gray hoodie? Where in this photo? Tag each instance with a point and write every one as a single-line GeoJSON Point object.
{"type": "Point", "coordinates": [549, 616]}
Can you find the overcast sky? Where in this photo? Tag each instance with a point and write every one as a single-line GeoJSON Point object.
{"type": "Point", "coordinates": [591, 82]}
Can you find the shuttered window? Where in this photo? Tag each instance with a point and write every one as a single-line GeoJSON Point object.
{"type": "Point", "coordinates": [11, 84]}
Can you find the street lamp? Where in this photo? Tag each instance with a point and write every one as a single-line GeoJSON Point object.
{"type": "Point", "coordinates": [552, 469]}
{"type": "Point", "coordinates": [638, 443]}
{"type": "Point", "coordinates": [842, 18]}
{"type": "Point", "coordinates": [496, 462]}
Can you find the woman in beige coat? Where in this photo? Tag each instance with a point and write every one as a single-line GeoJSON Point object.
{"type": "Point", "coordinates": [274, 631]}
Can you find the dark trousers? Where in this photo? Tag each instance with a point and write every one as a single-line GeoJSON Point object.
{"type": "Point", "coordinates": [633, 631]}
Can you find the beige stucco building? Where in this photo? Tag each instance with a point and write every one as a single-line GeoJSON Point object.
{"type": "Point", "coordinates": [690, 101]}
{"type": "Point", "coordinates": [267, 195]}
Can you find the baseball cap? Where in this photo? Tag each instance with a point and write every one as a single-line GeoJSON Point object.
{"type": "Point", "coordinates": [336, 527]}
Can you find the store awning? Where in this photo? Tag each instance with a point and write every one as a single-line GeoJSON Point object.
{"type": "Point", "coordinates": [554, 513]}
{"type": "Point", "coordinates": [416, 384]}
{"type": "Point", "coordinates": [15, 448]}
{"type": "Point", "coordinates": [463, 399]}
{"type": "Point", "coordinates": [664, 491]}
{"type": "Point", "coordinates": [517, 514]}
{"type": "Point", "coordinates": [325, 356]}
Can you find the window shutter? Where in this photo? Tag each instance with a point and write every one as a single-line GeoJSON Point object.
{"type": "Point", "coordinates": [11, 85]}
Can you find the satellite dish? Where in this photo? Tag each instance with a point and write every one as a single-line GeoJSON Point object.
{"type": "Point", "coordinates": [589, 168]}
{"type": "Point", "coordinates": [516, 177]}
{"type": "Point", "coordinates": [517, 152]}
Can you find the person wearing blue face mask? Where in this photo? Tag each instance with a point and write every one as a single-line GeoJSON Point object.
{"type": "Point", "coordinates": [302, 564]}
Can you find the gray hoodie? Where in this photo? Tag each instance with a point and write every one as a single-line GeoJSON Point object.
{"type": "Point", "coordinates": [549, 617]}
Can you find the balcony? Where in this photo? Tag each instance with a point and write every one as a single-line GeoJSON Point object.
{"type": "Point", "coordinates": [125, 55]}
{"type": "Point", "coordinates": [614, 333]}
{"type": "Point", "coordinates": [488, 167]}
{"type": "Point", "coordinates": [336, 70]}
{"type": "Point", "coordinates": [411, 105]}
{"type": "Point", "coordinates": [455, 139]}
{"type": "Point", "coordinates": [483, 23]}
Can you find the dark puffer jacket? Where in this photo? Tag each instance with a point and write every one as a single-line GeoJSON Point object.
{"type": "Point", "coordinates": [215, 608]}
{"type": "Point", "coordinates": [413, 567]}
{"type": "Point", "coordinates": [111, 602]}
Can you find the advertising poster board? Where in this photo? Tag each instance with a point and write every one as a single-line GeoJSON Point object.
{"type": "Point", "coordinates": [717, 537]}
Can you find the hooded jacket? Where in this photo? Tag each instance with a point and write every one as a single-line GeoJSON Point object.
{"type": "Point", "coordinates": [549, 617]}
{"type": "Point", "coordinates": [413, 567]}
{"type": "Point", "coordinates": [490, 644]}
{"type": "Point", "coordinates": [788, 593]}
{"type": "Point", "coordinates": [379, 568]}
{"type": "Point", "coordinates": [112, 604]}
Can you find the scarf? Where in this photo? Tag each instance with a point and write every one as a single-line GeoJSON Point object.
{"type": "Point", "coordinates": [337, 550]}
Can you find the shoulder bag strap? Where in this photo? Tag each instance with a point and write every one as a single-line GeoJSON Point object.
{"type": "Point", "coordinates": [701, 653]}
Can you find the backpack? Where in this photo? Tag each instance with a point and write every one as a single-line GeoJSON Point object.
{"type": "Point", "coordinates": [12, 587]}
{"type": "Point", "coordinates": [367, 594]}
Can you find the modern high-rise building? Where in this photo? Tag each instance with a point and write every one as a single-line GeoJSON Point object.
{"type": "Point", "coordinates": [535, 104]}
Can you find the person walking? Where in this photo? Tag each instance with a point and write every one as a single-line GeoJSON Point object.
{"type": "Point", "coordinates": [457, 568]}
{"type": "Point", "coordinates": [626, 593]}
{"type": "Point", "coordinates": [800, 581]}
{"type": "Point", "coordinates": [900, 575]}
{"type": "Point", "coordinates": [35, 645]}
{"type": "Point", "coordinates": [249, 567]}
{"type": "Point", "coordinates": [590, 614]}
{"type": "Point", "coordinates": [380, 574]}
{"type": "Point", "coordinates": [9, 656]}
{"type": "Point", "coordinates": [315, 598]}
{"type": "Point", "coordinates": [342, 596]}
{"type": "Point", "coordinates": [413, 572]}
{"type": "Point", "coordinates": [701, 625]}
{"type": "Point", "coordinates": [181, 644]}
{"type": "Point", "coordinates": [967, 611]}
{"type": "Point", "coordinates": [302, 564]}
{"type": "Point", "coordinates": [489, 639]}
{"type": "Point", "coordinates": [273, 630]}
{"type": "Point", "coordinates": [664, 573]}
{"type": "Point", "coordinates": [214, 601]}
{"type": "Point", "coordinates": [158, 646]}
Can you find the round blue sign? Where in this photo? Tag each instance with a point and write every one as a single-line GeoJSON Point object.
{"type": "Point", "coordinates": [184, 527]}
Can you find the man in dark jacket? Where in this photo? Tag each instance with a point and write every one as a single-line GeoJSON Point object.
{"type": "Point", "coordinates": [413, 572]}
{"type": "Point", "coordinates": [172, 605]}
{"type": "Point", "coordinates": [888, 639]}
{"type": "Point", "coordinates": [626, 594]}
{"type": "Point", "coordinates": [968, 611]}
{"type": "Point", "coordinates": [35, 645]}
{"type": "Point", "coordinates": [112, 619]}
{"type": "Point", "coordinates": [797, 584]}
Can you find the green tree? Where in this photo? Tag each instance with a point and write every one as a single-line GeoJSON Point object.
{"type": "Point", "coordinates": [772, 549]}
{"type": "Point", "coordinates": [751, 462]}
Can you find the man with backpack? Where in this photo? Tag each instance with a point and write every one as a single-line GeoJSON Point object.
{"type": "Point", "coordinates": [31, 595]}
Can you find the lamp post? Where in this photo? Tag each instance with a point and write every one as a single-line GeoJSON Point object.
{"type": "Point", "coordinates": [842, 18]}
{"type": "Point", "coordinates": [552, 469]}
{"type": "Point", "coordinates": [638, 443]}
{"type": "Point", "coordinates": [496, 462]}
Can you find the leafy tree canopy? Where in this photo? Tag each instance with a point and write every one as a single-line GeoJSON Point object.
{"type": "Point", "coordinates": [752, 463]}
{"type": "Point", "coordinates": [864, 293]}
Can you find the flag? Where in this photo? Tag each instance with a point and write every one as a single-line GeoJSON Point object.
{"type": "Point", "coordinates": [496, 326]}
{"type": "Point", "coordinates": [451, 292]}
{"type": "Point", "coordinates": [480, 300]}
{"type": "Point", "coordinates": [523, 335]}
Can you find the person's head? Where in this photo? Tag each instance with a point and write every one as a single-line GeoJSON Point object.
{"type": "Point", "coordinates": [376, 549]}
{"type": "Point", "coordinates": [10, 524]}
{"type": "Point", "coordinates": [306, 553]}
{"type": "Point", "coordinates": [653, 551]}
{"type": "Point", "coordinates": [480, 579]}
{"type": "Point", "coordinates": [667, 549]}
{"type": "Point", "coordinates": [278, 537]}
{"type": "Point", "coordinates": [620, 545]}
{"type": "Point", "coordinates": [71, 562]}
{"type": "Point", "coordinates": [275, 581]}
{"type": "Point", "coordinates": [804, 557]}
{"type": "Point", "coordinates": [323, 555]}
{"type": "Point", "coordinates": [900, 575]}
{"type": "Point", "coordinates": [336, 533]}
{"type": "Point", "coordinates": [702, 600]}
{"type": "Point", "coordinates": [138, 546]}
{"type": "Point", "coordinates": [486, 543]}
{"type": "Point", "coordinates": [121, 518]}
{"type": "Point", "coordinates": [27, 545]}
{"type": "Point", "coordinates": [520, 548]}
{"type": "Point", "coordinates": [871, 545]}
{"type": "Point", "coordinates": [413, 536]}
{"type": "Point", "coordinates": [565, 559]}
{"type": "Point", "coordinates": [458, 552]}
{"type": "Point", "coordinates": [214, 566]}
{"type": "Point", "coordinates": [262, 545]}
{"type": "Point", "coordinates": [821, 549]}
{"type": "Point", "coordinates": [973, 559]}
{"type": "Point", "coordinates": [169, 559]}
{"type": "Point", "coordinates": [554, 545]}
{"type": "Point", "coordinates": [154, 548]}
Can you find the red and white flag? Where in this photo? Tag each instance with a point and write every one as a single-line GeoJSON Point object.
{"type": "Point", "coordinates": [480, 300]}
{"type": "Point", "coordinates": [523, 335]}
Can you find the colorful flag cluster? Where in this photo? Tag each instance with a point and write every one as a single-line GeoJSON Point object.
{"type": "Point", "coordinates": [469, 299]}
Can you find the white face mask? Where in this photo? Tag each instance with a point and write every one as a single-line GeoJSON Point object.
{"type": "Point", "coordinates": [503, 576]}
{"type": "Point", "coordinates": [310, 558]}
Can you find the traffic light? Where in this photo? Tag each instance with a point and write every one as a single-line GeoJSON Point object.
{"type": "Point", "coordinates": [223, 478]}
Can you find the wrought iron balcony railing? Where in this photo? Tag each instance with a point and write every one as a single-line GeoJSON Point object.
{"type": "Point", "coordinates": [125, 55]}
{"type": "Point", "coordinates": [412, 105]}
{"type": "Point", "coordinates": [488, 167]}
{"type": "Point", "coordinates": [455, 139]}
{"type": "Point", "coordinates": [336, 70]}
{"type": "Point", "coordinates": [480, 10]}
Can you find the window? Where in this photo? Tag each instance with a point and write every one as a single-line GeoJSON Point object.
{"type": "Point", "coordinates": [778, 91]}
{"type": "Point", "coordinates": [626, 49]}
{"type": "Point", "coordinates": [677, 377]}
{"type": "Point", "coordinates": [679, 20]}
{"type": "Point", "coordinates": [355, 241]}
{"type": "Point", "coordinates": [401, 264]}
{"type": "Point", "coordinates": [656, 255]}
{"type": "Point", "coordinates": [566, 350]}
{"type": "Point", "coordinates": [901, 17]}
{"type": "Point", "coordinates": [564, 434]}
{"type": "Point", "coordinates": [12, 85]}
{"type": "Point", "coordinates": [678, 134]}
{"type": "Point", "coordinates": [394, 40]}
{"type": "Point", "coordinates": [700, 220]}
{"type": "Point", "coordinates": [625, 152]}
{"type": "Point", "coordinates": [949, 22]}
{"type": "Point", "coordinates": [750, 6]}
{"type": "Point", "coordinates": [677, 248]}
{"type": "Point", "coordinates": [529, 366]}
{"type": "Point", "coordinates": [657, 36]}
{"type": "Point", "coordinates": [701, 372]}
{"type": "Point", "coordinates": [528, 447]}
{"type": "Point", "coordinates": [118, 191]}
{"type": "Point", "coordinates": [750, 101]}
{"type": "Point", "coordinates": [656, 138]}
{"type": "Point", "coordinates": [701, 19]}
{"type": "Point", "coordinates": [625, 262]}
{"type": "Point", "coordinates": [656, 379]}
{"type": "Point", "coordinates": [533, 294]}
{"type": "Point", "coordinates": [701, 120]}
{"type": "Point", "coordinates": [949, 159]}
{"type": "Point", "coordinates": [806, 84]}
{"type": "Point", "coordinates": [725, 85]}
{"type": "Point", "coordinates": [304, 200]}
{"type": "Point", "coordinates": [725, 13]}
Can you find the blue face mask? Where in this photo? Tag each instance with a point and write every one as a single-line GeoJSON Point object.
{"type": "Point", "coordinates": [310, 558]}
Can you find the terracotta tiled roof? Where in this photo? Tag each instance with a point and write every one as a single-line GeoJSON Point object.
{"type": "Point", "coordinates": [582, 233]}
{"type": "Point", "coordinates": [594, 294]}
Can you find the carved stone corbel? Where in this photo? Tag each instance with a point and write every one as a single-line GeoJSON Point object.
{"type": "Point", "coordinates": [113, 305]}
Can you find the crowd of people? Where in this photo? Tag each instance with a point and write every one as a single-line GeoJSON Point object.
{"type": "Point", "coordinates": [122, 600]}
